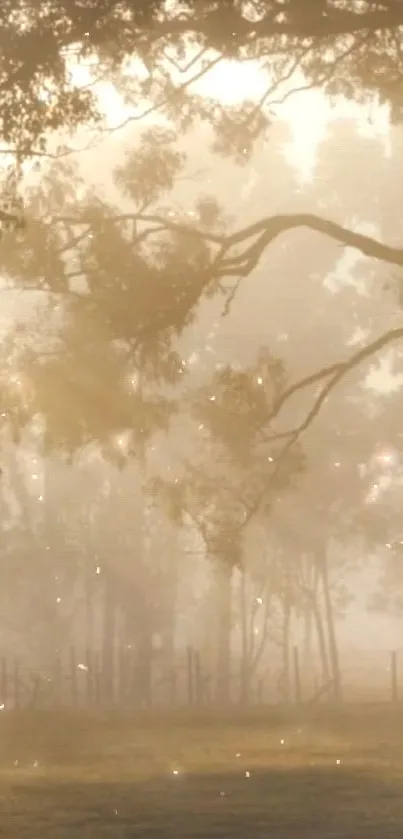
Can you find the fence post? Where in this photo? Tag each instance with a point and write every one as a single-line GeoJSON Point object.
{"type": "Point", "coordinates": [297, 676]}
{"type": "Point", "coordinates": [198, 678]}
{"type": "Point", "coordinates": [122, 677]}
{"type": "Point", "coordinates": [189, 659]}
{"type": "Point", "coordinates": [260, 690]}
{"type": "Point", "coordinates": [57, 681]}
{"type": "Point", "coordinates": [97, 680]}
{"type": "Point", "coordinates": [16, 684]}
{"type": "Point", "coordinates": [89, 679]}
{"type": "Point", "coordinates": [173, 684]}
{"type": "Point", "coordinates": [394, 676]}
{"type": "Point", "coordinates": [73, 676]}
{"type": "Point", "coordinates": [4, 686]}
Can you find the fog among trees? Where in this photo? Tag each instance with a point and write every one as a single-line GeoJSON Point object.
{"type": "Point", "coordinates": [201, 357]}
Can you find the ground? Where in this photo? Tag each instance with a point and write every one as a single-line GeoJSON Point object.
{"type": "Point", "coordinates": [184, 776]}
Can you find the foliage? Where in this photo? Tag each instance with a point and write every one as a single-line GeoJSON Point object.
{"type": "Point", "coordinates": [111, 293]}
{"type": "Point", "coordinates": [343, 48]}
{"type": "Point", "coordinates": [115, 289]}
{"type": "Point", "coordinates": [233, 474]}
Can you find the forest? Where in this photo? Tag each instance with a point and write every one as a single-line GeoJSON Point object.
{"type": "Point", "coordinates": [201, 362]}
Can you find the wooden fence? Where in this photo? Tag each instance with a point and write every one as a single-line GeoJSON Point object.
{"type": "Point", "coordinates": [78, 682]}
{"type": "Point", "coordinates": [81, 682]}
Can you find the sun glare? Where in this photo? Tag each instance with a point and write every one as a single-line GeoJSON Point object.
{"type": "Point", "coordinates": [308, 112]}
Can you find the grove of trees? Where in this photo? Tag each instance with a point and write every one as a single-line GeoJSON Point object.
{"type": "Point", "coordinates": [193, 454]}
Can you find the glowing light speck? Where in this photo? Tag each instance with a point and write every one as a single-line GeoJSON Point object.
{"type": "Point", "coordinates": [122, 441]}
{"type": "Point", "coordinates": [388, 457]}
{"type": "Point", "coordinates": [373, 494]}
{"type": "Point", "coordinates": [132, 381]}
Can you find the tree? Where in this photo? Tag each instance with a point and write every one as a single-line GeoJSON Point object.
{"type": "Point", "coordinates": [285, 36]}
{"type": "Point", "coordinates": [104, 282]}
{"type": "Point", "coordinates": [105, 375]}
{"type": "Point", "coordinates": [42, 555]}
{"type": "Point", "coordinates": [230, 479]}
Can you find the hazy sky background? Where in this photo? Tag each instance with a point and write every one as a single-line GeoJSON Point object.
{"type": "Point", "coordinates": [263, 312]}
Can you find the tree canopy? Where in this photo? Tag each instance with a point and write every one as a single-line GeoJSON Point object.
{"type": "Point", "coordinates": [350, 48]}
{"type": "Point", "coordinates": [117, 282]}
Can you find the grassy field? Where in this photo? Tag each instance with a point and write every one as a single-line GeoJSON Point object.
{"type": "Point", "coordinates": [338, 775]}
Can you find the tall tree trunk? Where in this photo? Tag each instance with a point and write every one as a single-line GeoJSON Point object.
{"type": "Point", "coordinates": [245, 645]}
{"type": "Point", "coordinates": [169, 630]}
{"type": "Point", "coordinates": [109, 636]}
{"type": "Point", "coordinates": [223, 573]}
{"type": "Point", "coordinates": [143, 668]}
{"type": "Point", "coordinates": [138, 603]}
{"type": "Point", "coordinates": [331, 630]}
{"type": "Point", "coordinates": [323, 655]}
{"type": "Point", "coordinates": [286, 676]}
{"type": "Point", "coordinates": [89, 608]}
{"type": "Point", "coordinates": [138, 634]}
{"type": "Point", "coordinates": [307, 640]}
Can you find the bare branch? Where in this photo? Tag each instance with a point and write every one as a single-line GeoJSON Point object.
{"type": "Point", "coordinates": [264, 232]}
{"type": "Point", "coordinates": [166, 99]}
{"type": "Point", "coordinates": [340, 22]}
{"type": "Point", "coordinates": [333, 374]}
{"type": "Point", "coordinates": [267, 230]}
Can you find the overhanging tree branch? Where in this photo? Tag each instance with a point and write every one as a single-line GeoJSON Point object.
{"type": "Point", "coordinates": [264, 232]}
{"type": "Point", "coordinates": [333, 375]}
{"type": "Point", "coordinates": [279, 23]}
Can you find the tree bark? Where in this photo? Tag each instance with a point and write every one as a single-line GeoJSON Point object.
{"type": "Point", "coordinates": [307, 24]}
{"type": "Point", "coordinates": [331, 630]}
{"type": "Point", "coordinates": [223, 573]}
{"type": "Point", "coordinates": [245, 646]}
{"type": "Point", "coordinates": [109, 636]}
{"type": "Point", "coordinates": [286, 651]}
{"type": "Point", "coordinates": [323, 654]}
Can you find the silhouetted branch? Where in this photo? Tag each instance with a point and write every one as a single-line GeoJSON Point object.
{"type": "Point", "coordinates": [267, 230]}
{"type": "Point", "coordinates": [333, 374]}
{"type": "Point", "coordinates": [165, 100]}
{"type": "Point", "coordinates": [264, 232]}
{"type": "Point", "coordinates": [274, 24]}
